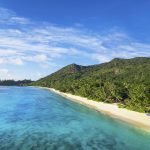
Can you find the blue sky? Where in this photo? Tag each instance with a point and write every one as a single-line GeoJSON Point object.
{"type": "Point", "coordinates": [37, 37]}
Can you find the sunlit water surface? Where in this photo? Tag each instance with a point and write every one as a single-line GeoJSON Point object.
{"type": "Point", "coordinates": [37, 119]}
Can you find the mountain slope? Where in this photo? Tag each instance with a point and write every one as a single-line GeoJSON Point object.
{"type": "Point", "coordinates": [125, 81]}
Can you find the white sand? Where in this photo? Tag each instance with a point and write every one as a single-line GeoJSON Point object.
{"type": "Point", "coordinates": [138, 119]}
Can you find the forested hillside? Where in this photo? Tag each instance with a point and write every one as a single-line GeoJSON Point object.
{"type": "Point", "coordinates": [123, 81]}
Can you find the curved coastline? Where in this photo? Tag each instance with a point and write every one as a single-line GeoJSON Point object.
{"type": "Point", "coordinates": [140, 120]}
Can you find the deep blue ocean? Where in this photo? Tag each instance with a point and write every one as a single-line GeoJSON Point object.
{"type": "Point", "coordinates": [37, 119]}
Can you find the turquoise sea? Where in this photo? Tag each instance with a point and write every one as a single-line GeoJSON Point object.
{"type": "Point", "coordinates": [37, 119]}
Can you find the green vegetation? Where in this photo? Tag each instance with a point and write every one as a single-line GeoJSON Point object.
{"type": "Point", "coordinates": [123, 81]}
{"type": "Point", "coordinates": [14, 83]}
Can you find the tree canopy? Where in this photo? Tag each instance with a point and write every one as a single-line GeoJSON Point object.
{"type": "Point", "coordinates": [123, 81]}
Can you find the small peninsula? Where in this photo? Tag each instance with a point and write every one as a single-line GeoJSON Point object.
{"type": "Point", "coordinates": [15, 83]}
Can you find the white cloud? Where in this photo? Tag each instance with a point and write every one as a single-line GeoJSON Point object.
{"type": "Point", "coordinates": [41, 58]}
{"type": "Point", "coordinates": [12, 61]}
{"type": "Point", "coordinates": [9, 17]}
{"type": "Point", "coordinates": [16, 61]}
{"type": "Point", "coordinates": [37, 58]}
{"type": "Point", "coordinates": [43, 44]}
{"type": "Point", "coordinates": [20, 20]}
{"type": "Point", "coordinates": [7, 52]}
{"type": "Point", "coordinates": [2, 60]}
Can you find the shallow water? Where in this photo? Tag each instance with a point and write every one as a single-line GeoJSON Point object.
{"type": "Point", "coordinates": [37, 119]}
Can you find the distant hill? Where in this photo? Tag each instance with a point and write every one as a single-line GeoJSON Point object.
{"type": "Point", "coordinates": [14, 83]}
{"type": "Point", "coordinates": [123, 81]}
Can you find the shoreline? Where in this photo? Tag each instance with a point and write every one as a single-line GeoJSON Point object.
{"type": "Point", "coordinates": [140, 120]}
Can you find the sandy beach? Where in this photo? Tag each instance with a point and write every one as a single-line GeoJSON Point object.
{"type": "Point", "coordinates": [140, 120]}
